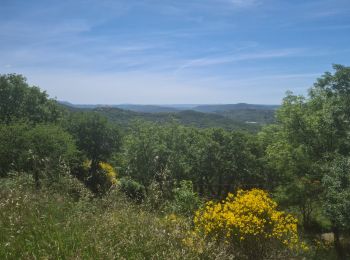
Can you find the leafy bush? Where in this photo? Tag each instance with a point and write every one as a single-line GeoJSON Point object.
{"type": "Point", "coordinates": [105, 176]}
{"type": "Point", "coordinates": [133, 189]}
{"type": "Point", "coordinates": [40, 150]}
{"type": "Point", "coordinates": [185, 201]}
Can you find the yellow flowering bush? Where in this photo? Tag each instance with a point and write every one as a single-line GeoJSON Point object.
{"type": "Point", "coordinates": [110, 174]}
{"type": "Point", "coordinates": [250, 221]}
{"type": "Point", "coordinates": [87, 164]}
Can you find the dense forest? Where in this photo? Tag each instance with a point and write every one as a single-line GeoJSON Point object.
{"type": "Point", "coordinates": [235, 117]}
{"type": "Point", "coordinates": [110, 183]}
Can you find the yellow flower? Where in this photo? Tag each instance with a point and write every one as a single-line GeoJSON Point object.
{"type": "Point", "coordinates": [250, 214]}
{"type": "Point", "coordinates": [111, 175]}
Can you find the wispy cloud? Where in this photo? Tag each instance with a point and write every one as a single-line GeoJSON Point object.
{"type": "Point", "coordinates": [229, 58]}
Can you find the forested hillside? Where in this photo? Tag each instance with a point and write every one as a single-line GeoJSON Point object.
{"type": "Point", "coordinates": [107, 183]}
{"type": "Point", "coordinates": [234, 117]}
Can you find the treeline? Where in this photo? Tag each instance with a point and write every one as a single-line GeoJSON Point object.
{"type": "Point", "coordinates": [302, 159]}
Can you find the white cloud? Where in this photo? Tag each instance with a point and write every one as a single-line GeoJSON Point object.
{"type": "Point", "coordinates": [229, 58]}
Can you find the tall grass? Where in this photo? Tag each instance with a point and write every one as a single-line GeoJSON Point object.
{"type": "Point", "coordinates": [68, 223]}
{"type": "Point", "coordinates": [64, 221]}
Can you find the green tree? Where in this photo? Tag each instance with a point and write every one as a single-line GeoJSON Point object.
{"type": "Point", "coordinates": [336, 204]}
{"type": "Point", "coordinates": [309, 133]}
{"type": "Point", "coordinates": [39, 150]}
{"type": "Point", "coordinates": [18, 100]}
{"type": "Point", "coordinates": [96, 138]}
{"type": "Point", "coordinates": [13, 145]}
{"type": "Point", "coordinates": [49, 148]}
{"type": "Point", "coordinates": [224, 162]}
{"type": "Point", "coordinates": [152, 151]}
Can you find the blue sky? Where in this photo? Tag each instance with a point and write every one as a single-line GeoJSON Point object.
{"type": "Point", "coordinates": [173, 51]}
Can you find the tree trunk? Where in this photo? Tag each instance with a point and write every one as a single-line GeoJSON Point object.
{"type": "Point", "coordinates": [337, 245]}
{"type": "Point", "coordinates": [36, 179]}
{"type": "Point", "coordinates": [94, 175]}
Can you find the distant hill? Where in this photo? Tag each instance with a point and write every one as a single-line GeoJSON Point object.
{"type": "Point", "coordinates": [230, 116]}
{"type": "Point", "coordinates": [186, 117]}
{"type": "Point", "coordinates": [148, 108]}
{"type": "Point", "coordinates": [230, 107]}
{"type": "Point", "coordinates": [173, 108]}
{"type": "Point", "coordinates": [132, 107]}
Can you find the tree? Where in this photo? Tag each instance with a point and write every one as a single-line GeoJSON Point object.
{"type": "Point", "coordinates": [96, 138]}
{"type": "Point", "coordinates": [336, 204]}
{"type": "Point", "coordinates": [224, 162]}
{"type": "Point", "coordinates": [309, 133]}
{"type": "Point", "coordinates": [49, 148]}
{"type": "Point", "coordinates": [18, 100]}
{"type": "Point", "coordinates": [153, 151]}
{"type": "Point", "coordinates": [13, 145]}
{"type": "Point", "coordinates": [39, 150]}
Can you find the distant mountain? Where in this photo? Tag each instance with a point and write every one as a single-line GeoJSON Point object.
{"type": "Point", "coordinates": [84, 106]}
{"type": "Point", "coordinates": [135, 108]}
{"type": "Point", "coordinates": [230, 107]}
{"type": "Point", "coordinates": [232, 116]}
{"type": "Point", "coordinates": [148, 108]}
{"type": "Point", "coordinates": [177, 107]}
{"type": "Point", "coordinates": [185, 117]}
{"type": "Point", "coordinates": [242, 112]}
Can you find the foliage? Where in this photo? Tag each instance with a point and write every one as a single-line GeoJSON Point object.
{"type": "Point", "coordinates": [302, 160]}
{"type": "Point", "coordinates": [248, 221]}
{"type": "Point", "coordinates": [97, 139]}
{"type": "Point", "coordinates": [337, 193]}
{"type": "Point", "coordinates": [95, 136]}
{"type": "Point", "coordinates": [310, 133]}
{"type": "Point", "coordinates": [336, 204]}
{"type": "Point", "coordinates": [133, 189]}
{"type": "Point", "coordinates": [18, 100]}
{"type": "Point", "coordinates": [215, 160]}
{"type": "Point", "coordinates": [185, 201]}
{"type": "Point", "coordinates": [39, 149]}
{"type": "Point", "coordinates": [50, 223]}
{"type": "Point", "coordinates": [13, 146]}
{"type": "Point", "coordinates": [105, 176]}
{"type": "Point", "coordinates": [187, 118]}
{"type": "Point", "coordinates": [109, 172]}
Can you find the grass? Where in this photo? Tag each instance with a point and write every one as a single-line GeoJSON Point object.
{"type": "Point", "coordinates": [56, 225]}
{"type": "Point", "coordinates": [66, 222]}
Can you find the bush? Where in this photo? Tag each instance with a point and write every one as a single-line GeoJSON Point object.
{"type": "Point", "coordinates": [40, 150]}
{"type": "Point", "coordinates": [104, 179]}
{"type": "Point", "coordinates": [133, 189]}
{"type": "Point", "coordinates": [186, 201]}
{"type": "Point", "coordinates": [250, 223]}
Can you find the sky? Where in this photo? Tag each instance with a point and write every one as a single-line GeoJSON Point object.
{"type": "Point", "coordinates": [173, 51]}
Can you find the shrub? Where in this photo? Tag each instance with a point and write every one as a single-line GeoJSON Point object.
{"type": "Point", "coordinates": [186, 201]}
{"type": "Point", "coordinates": [133, 189]}
{"type": "Point", "coordinates": [248, 222]}
{"type": "Point", "coordinates": [109, 175]}
{"type": "Point", "coordinates": [104, 177]}
{"type": "Point", "coordinates": [39, 150]}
